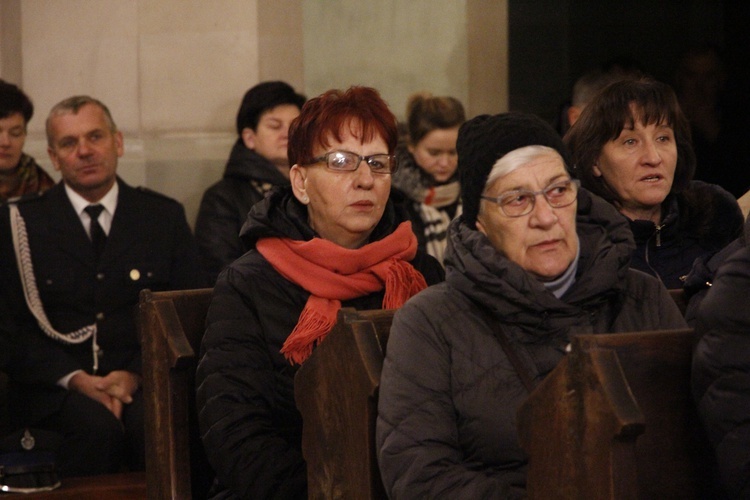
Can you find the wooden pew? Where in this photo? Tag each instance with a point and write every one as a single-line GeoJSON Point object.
{"type": "Point", "coordinates": [171, 326]}
{"type": "Point", "coordinates": [336, 391]}
{"type": "Point", "coordinates": [615, 420]}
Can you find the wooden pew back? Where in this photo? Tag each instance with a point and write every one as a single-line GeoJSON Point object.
{"type": "Point", "coordinates": [615, 419]}
{"type": "Point", "coordinates": [336, 391]}
{"type": "Point", "coordinates": [171, 325]}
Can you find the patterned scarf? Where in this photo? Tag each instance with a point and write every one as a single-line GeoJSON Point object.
{"type": "Point", "coordinates": [436, 224]}
{"type": "Point", "coordinates": [28, 177]}
{"type": "Point", "coordinates": [437, 204]}
{"type": "Point", "coordinates": [332, 273]}
{"type": "Point", "coordinates": [419, 186]}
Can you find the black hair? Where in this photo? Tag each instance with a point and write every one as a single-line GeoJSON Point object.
{"type": "Point", "coordinates": [261, 98]}
{"type": "Point", "coordinates": [13, 100]}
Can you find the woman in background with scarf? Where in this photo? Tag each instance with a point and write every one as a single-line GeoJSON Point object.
{"type": "Point", "coordinates": [426, 181]}
{"type": "Point", "coordinates": [333, 239]}
{"type": "Point", "coordinates": [19, 173]}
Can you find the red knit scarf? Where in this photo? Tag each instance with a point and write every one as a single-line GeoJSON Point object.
{"type": "Point", "coordinates": [332, 273]}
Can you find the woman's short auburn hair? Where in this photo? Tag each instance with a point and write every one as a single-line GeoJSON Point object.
{"type": "Point", "coordinates": [324, 117]}
{"type": "Point", "coordinates": [618, 106]}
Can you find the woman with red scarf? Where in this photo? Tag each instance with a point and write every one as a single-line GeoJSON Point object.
{"type": "Point", "coordinates": [330, 240]}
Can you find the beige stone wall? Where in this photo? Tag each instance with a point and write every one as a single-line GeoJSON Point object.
{"type": "Point", "coordinates": [447, 47]}
{"type": "Point", "coordinates": [173, 71]}
{"type": "Point", "coordinates": [396, 46]}
{"type": "Point", "coordinates": [10, 40]}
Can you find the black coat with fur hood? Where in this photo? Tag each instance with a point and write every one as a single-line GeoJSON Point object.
{"type": "Point", "coordinates": [696, 223]}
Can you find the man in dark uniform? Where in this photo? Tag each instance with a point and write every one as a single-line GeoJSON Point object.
{"type": "Point", "coordinates": [93, 243]}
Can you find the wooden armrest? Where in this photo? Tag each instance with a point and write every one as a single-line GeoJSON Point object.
{"type": "Point", "coordinates": [179, 350]}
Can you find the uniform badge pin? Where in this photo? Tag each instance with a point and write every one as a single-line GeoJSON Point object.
{"type": "Point", "coordinates": [27, 441]}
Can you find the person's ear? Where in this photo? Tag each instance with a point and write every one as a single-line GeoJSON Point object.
{"type": "Point", "coordinates": [298, 179]}
{"type": "Point", "coordinates": [119, 144]}
{"type": "Point", "coordinates": [53, 158]}
{"type": "Point", "coordinates": [480, 227]}
{"type": "Point", "coordinates": [248, 137]}
{"type": "Point", "coordinates": [573, 113]}
{"type": "Point", "coordinates": [596, 170]}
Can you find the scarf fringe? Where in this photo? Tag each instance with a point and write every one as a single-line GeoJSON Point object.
{"type": "Point", "coordinates": [401, 282]}
{"type": "Point", "coordinates": [317, 319]}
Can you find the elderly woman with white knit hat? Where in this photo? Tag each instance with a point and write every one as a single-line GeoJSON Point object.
{"type": "Point", "coordinates": [533, 260]}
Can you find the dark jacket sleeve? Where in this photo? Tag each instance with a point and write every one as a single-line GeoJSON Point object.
{"type": "Point", "coordinates": [28, 356]}
{"type": "Point", "coordinates": [34, 358]}
{"type": "Point", "coordinates": [721, 371]}
{"type": "Point", "coordinates": [417, 434]}
{"type": "Point", "coordinates": [30, 349]}
{"type": "Point", "coordinates": [217, 229]}
{"type": "Point", "coordinates": [649, 306]}
{"type": "Point", "coordinates": [430, 268]}
{"type": "Point", "coordinates": [245, 404]}
{"type": "Point", "coordinates": [701, 276]}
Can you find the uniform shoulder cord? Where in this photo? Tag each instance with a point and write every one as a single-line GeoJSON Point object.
{"type": "Point", "coordinates": [31, 292]}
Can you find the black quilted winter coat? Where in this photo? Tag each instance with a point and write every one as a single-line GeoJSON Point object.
{"type": "Point", "coordinates": [721, 370]}
{"type": "Point", "coordinates": [250, 426]}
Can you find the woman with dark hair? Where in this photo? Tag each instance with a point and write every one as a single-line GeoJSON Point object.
{"type": "Point", "coordinates": [19, 173]}
{"type": "Point", "coordinates": [631, 146]}
{"type": "Point", "coordinates": [332, 239]}
{"type": "Point", "coordinates": [257, 163]}
{"type": "Point", "coordinates": [427, 160]}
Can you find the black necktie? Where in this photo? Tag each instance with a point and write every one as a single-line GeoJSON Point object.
{"type": "Point", "coordinates": [98, 238]}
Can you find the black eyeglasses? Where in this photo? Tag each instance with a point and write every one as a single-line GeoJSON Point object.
{"type": "Point", "coordinates": [346, 161]}
{"type": "Point", "coordinates": [520, 202]}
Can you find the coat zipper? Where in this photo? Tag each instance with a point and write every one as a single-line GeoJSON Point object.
{"type": "Point", "coordinates": [658, 235]}
{"type": "Point", "coordinates": [658, 244]}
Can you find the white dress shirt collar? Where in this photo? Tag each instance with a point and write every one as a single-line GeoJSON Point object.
{"type": "Point", "coordinates": [109, 202]}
